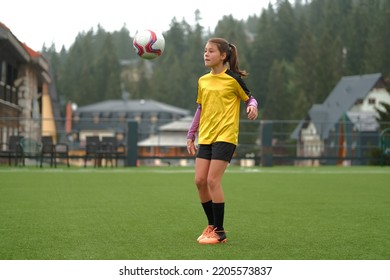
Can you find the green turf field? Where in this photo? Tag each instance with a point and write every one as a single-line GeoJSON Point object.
{"type": "Point", "coordinates": [278, 213]}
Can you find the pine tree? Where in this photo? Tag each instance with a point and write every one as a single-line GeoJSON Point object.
{"type": "Point", "coordinates": [262, 55]}
{"type": "Point", "coordinates": [280, 99]}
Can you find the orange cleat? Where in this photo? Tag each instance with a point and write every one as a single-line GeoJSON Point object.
{"type": "Point", "coordinates": [214, 237]}
{"type": "Point", "coordinates": [205, 232]}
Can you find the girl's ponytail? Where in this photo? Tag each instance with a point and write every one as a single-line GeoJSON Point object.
{"type": "Point", "coordinates": [231, 54]}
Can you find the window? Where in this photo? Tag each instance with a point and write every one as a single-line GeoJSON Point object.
{"type": "Point", "coordinates": [122, 118]}
{"type": "Point", "coordinates": [3, 68]}
{"type": "Point", "coordinates": [359, 101]}
{"type": "Point", "coordinates": [106, 117]}
{"type": "Point", "coordinates": [371, 101]}
{"type": "Point", "coordinates": [95, 118]}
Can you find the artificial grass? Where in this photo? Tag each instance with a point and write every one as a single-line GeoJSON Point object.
{"type": "Point", "coordinates": [154, 213]}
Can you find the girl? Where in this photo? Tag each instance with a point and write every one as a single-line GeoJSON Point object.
{"type": "Point", "coordinates": [217, 119]}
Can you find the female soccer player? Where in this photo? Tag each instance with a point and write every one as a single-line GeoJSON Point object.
{"type": "Point", "coordinates": [216, 121]}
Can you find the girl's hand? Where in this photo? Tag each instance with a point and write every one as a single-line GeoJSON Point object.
{"type": "Point", "coordinates": [252, 112]}
{"type": "Point", "coordinates": [191, 147]}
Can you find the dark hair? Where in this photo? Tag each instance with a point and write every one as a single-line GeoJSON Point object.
{"type": "Point", "coordinates": [231, 54]}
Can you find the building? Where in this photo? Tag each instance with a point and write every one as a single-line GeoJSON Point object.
{"type": "Point", "coordinates": [169, 144]}
{"type": "Point", "coordinates": [111, 117]}
{"type": "Point", "coordinates": [344, 125]}
{"type": "Point", "coordinates": [26, 95]}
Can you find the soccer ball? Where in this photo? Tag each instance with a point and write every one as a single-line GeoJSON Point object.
{"type": "Point", "coordinates": [149, 44]}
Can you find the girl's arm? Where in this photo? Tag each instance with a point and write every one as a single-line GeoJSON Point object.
{"type": "Point", "coordinates": [251, 108]}
{"type": "Point", "coordinates": [251, 102]}
{"type": "Point", "coordinates": [195, 124]}
{"type": "Point", "coordinates": [191, 134]}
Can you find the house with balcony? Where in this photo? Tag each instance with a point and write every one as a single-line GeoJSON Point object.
{"type": "Point", "coordinates": [344, 125]}
{"type": "Point", "coordinates": [110, 118]}
{"type": "Point", "coordinates": [26, 90]}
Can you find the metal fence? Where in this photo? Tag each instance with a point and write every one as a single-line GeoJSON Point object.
{"type": "Point", "coordinates": [261, 143]}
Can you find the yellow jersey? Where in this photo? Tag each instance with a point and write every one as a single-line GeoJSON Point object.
{"type": "Point", "coordinates": [220, 96]}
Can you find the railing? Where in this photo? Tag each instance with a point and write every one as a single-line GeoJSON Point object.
{"type": "Point", "coordinates": [265, 143]}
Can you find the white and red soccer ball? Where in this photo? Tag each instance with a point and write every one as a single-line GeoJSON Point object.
{"type": "Point", "coordinates": [149, 44]}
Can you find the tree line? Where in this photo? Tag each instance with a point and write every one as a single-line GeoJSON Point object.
{"type": "Point", "coordinates": [295, 54]}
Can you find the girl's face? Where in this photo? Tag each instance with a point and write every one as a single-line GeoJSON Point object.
{"type": "Point", "coordinates": [212, 56]}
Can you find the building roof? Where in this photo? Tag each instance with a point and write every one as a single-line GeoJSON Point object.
{"type": "Point", "coordinates": [349, 89]}
{"type": "Point", "coordinates": [134, 106]}
{"type": "Point", "coordinates": [11, 45]}
{"type": "Point", "coordinates": [180, 125]}
{"type": "Point", "coordinates": [19, 51]}
{"type": "Point", "coordinates": [164, 141]}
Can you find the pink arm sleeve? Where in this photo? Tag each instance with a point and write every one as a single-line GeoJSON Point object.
{"type": "Point", "coordinates": [251, 102]}
{"type": "Point", "coordinates": [195, 124]}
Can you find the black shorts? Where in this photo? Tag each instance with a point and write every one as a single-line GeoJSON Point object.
{"type": "Point", "coordinates": [218, 150]}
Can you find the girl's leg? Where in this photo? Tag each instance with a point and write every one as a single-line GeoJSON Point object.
{"type": "Point", "coordinates": [214, 178]}
{"type": "Point", "coordinates": [201, 171]}
{"type": "Point", "coordinates": [216, 170]}
{"type": "Point", "coordinates": [201, 174]}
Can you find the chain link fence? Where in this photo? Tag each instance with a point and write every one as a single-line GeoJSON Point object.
{"type": "Point", "coordinates": [261, 143]}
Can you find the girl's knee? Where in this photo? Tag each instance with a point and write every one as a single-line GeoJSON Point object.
{"type": "Point", "coordinates": [213, 183]}
{"type": "Point", "coordinates": [201, 182]}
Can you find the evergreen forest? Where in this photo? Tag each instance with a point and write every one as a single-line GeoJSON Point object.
{"type": "Point", "coordinates": [295, 53]}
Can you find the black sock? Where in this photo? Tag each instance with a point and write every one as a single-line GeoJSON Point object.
{"type": "Point", "coordinates": [208, 210]}
{"type": "Point", "coordinates": [219, 212]}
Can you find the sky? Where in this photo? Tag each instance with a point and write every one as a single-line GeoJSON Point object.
{"type": "Point", "coordinates": [39, 22]}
